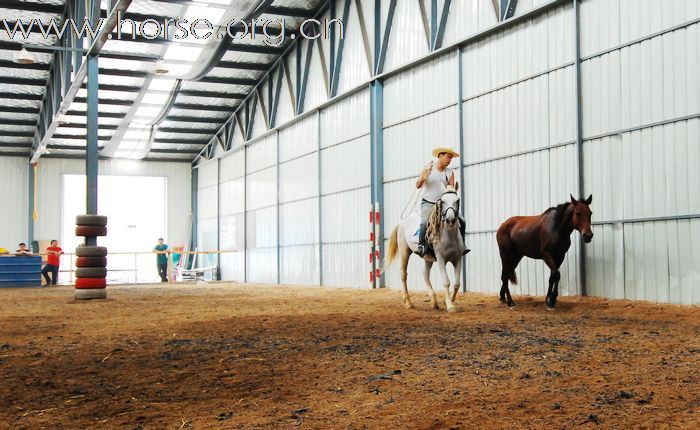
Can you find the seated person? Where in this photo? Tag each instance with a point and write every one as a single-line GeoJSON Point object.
{"type": "Point", "coordinates": [23, 251]}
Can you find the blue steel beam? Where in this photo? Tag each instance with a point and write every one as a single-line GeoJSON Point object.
{"type": "Point", "coordinates": [276, 98]}
{"type": "Point", "coordinates": [305, 75]}
{"type": "Point", "coordinates": [338, 60]}
{"type": "Point", "coordinates": [440, 31]}
{"type": "Point", "coordinates": [381, 42]}
{"type": "Point", "coordinates": [377, 164]}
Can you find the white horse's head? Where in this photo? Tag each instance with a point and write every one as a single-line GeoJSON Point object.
{"type": "Point", "coordinates": [449, 204]}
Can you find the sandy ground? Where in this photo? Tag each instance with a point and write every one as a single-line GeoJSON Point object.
{"type": "Point", "coordinates": [235, 356]}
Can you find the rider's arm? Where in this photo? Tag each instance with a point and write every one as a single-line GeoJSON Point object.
{"type": "Point", "coordinates": [424, 175]}
{"type": "Point", "coordinates": [452, 179]}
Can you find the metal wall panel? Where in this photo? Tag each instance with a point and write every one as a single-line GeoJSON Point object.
{"type": "Point", "coordinates": [316, 90]}
{"type": "Point", "coordinates": [232, 166]}
{"type": "Point", "coordinates": [261, 154]}
{"type": "Point", "coordinates": [355, 68]}
{"type": "Point", "coordinates": [408, 146]}
{"type": "Point", "coordinates": [261, 189]}
{"type": "Point", "coordinates": [345, 265]}
{"type": "Point", "coordinates": [407, 40]}
{"type": "Point", "coordinates": [346, 166]}
{"type": "Point", "coordinates": [262, 265]}
{"type": "Point", "coordinates": [345, 216]}
{"type": "Point", "coordinates": [299, 138]}
{"type": "Point", "coordinates": [299, 265]}
{"type": "Point", "coordinates": [641, 105]}
{"type": "Point", "coordinates": [468, 17]}
{"type": "Point", "coordinates": [426, 88]}
{"type": "Point", "coordinates": [14, 192]}
{"type": "Point", "coordinates": [299, 178]}
{"type": "Point", "coordinates": [345, 120]}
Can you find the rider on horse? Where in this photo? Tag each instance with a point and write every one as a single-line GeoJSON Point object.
{"type": "Point", "coordinates": [434, 181]}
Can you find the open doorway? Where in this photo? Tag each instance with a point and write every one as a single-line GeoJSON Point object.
{"type": "Point", "coordinates": [135, 207]}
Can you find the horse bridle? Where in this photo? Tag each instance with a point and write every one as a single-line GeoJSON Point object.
{"type": "Point", "coordinates": [456, 211]}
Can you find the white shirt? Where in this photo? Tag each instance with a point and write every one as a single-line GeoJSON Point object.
{"type": "Point", "coordinates": [435, 185]}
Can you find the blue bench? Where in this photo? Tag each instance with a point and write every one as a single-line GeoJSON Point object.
{"type": "Point", "coordinates": [20, 271]}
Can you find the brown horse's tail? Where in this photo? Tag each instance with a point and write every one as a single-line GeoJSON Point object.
{"type": "Point", "coordinates": [513, 278]}
{"type": "Point", "coordinates": [393, 248]}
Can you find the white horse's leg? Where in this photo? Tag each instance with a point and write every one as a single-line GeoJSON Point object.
{"type": "Point", "coordinates": [458, 278]}
{"type": "Point", "coordinates": [446, 283]}
{"type": "Point", "coordinates": [428, 285]}
{"type": "Point", "coordinates": [405, 254]}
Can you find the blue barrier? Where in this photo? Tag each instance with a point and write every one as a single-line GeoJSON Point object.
{"type": "Point", "coordinates": [20, 271]}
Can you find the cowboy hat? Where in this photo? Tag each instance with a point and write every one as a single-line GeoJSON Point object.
{"type": "Point", "coordinates": [437, 151]}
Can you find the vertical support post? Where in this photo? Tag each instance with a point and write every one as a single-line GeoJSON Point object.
{"type": "Point", "coordinates": [218, 219]}
{"type": "Point", "coordinates": [372, 242]}
{"type": "Point", "coordinates": [30, 206]}
{"type": "Point", "coordinates": [320, 203]}
{"type": "Point", "coordinates": [91, 159]}
{"type": "Point", "coordinates": [579, 134]}
{"type": "Point", "coordinates": [279, 229]}
{"type": "Point", "coordinates": [245, 213]}
{"type": "Point", "coordinates": [433, 23]}
{"type": "Point", "coordinates": [460, 121]}
{"type": "Point", "coordinates": [194, 203]}
{"type": "Point", "coordinates": [377, 162]}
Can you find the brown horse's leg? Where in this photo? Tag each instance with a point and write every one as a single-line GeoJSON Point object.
{"type": "Point", "coordinates": [558, 259]}
{"type": "Point", "coordinates": [554, 277]}
{"type": "Point", "coordinates": [509, 261]}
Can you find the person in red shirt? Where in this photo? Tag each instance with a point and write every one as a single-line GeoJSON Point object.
{"type": "Point", "coordinates": [53, 261]}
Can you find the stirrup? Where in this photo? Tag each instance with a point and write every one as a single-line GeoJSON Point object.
{"type": "Point", "coordinates": [420, 250]}
{"type": "Point", "coordinates": [466, 251]}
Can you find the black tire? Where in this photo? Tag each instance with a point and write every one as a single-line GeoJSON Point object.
{"type": "Point", "coordinates": [90, 294]}
{"type": "Point", "coordinates": [90, 231]}
{"type": "Point", "coordinates": [90, 272]}
{"type": "Point", "coordinates": [100, 262]}
{"type": "Point", "coordinates": [96, 220]}
{"type": "Point", "coordinates": [91, 251]}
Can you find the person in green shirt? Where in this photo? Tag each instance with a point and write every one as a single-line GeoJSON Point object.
{"type": "Point", "coordinates": [162, 259]}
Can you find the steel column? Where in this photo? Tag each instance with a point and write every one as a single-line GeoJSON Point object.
{"type": "Point", "coordinates": [377, 164]}
{"type": "Point", "coordinates": [320, 204]}
{"type": "Point", "coordinates": [277, 167]}
{"type": "Point", "coordinates": [30, 207]}
{"type": "Point", "coordinates": [195, 211]}
{"type": "Point", "coordinates": [460, 121]}
{"type": "Point", "coordinates": [579, 134]}
{"type": "Point", "coordinates": [91, 158]}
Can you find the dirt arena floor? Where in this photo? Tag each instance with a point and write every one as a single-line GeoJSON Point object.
{"type": "Point", "coordinates": [226, 356]}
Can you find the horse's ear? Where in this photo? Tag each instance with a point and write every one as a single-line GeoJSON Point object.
{"type": "Point", "coordinates": [589, 199]}
{"type": "Point", "coordinates": [573, 200]}
{"type": "Point", "coordinates": [456, 186]}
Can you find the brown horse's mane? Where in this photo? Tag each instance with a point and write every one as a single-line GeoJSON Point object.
{"type": "Point", "coordinates": [560, 210]}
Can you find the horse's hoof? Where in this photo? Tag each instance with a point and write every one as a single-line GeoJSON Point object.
{"type": "Point", "coordinates": [408, 305]}
{"type": "Point", "coordinates": [502, 300]}
{"type": "Point", "coordinates": [511, 306]}
{"type": "Point", "coordinates": [551, 308]}
{"type": "Point", "coordinates": [452, 310]}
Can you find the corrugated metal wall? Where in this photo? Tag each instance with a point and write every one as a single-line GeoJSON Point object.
{"type": "Point", "coordinates": [232, 215]}
{"type": "Point", "coordinates": [640, 112]}
{"type": "Point", "coordinates": [641, 128]}
{"type": "Point", "coordinates": [14, 195]}
{"type": "Point", "coordinates": [345, 186]}
{"type": "Point", "coordinates": [207, 211]}
{"type": "Point", "coordinates": [519, 142]}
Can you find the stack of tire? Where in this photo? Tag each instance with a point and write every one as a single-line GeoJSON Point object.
{"type": "Point", "coordinates": [91, 261]}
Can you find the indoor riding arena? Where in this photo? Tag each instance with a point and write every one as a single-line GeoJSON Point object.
{"type": "Point", "coordinates": [349, 214]}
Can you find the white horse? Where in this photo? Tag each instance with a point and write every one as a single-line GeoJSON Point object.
{"type": "Point", "coordinates": [443, 235]}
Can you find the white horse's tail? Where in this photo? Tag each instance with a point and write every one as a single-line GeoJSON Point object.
{"type": "Point", "coordinates": [393, 248]}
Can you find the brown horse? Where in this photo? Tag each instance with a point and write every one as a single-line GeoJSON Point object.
{"type": "Point", "coordinates": [543, 237]}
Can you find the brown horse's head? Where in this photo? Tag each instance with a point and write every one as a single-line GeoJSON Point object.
{"type": "Point", "coordinates": [581, 217]}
